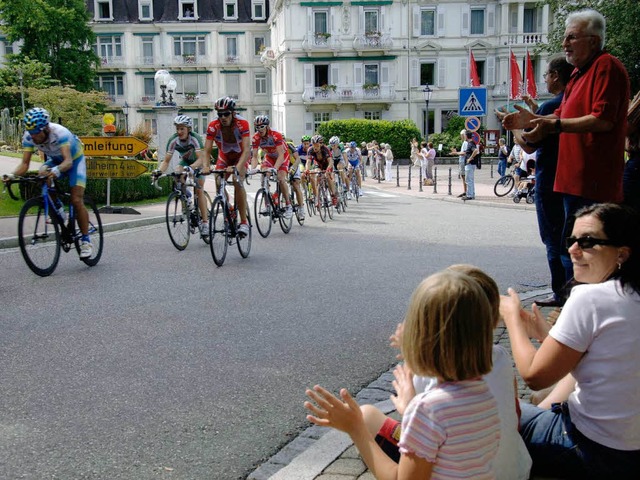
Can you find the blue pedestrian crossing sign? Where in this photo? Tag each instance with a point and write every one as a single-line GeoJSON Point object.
{"type": "Point", "coordinates": [472, 102]}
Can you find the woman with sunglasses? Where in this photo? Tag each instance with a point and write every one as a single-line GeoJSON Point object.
{"type": "Point", "coordinates": [593, 432]}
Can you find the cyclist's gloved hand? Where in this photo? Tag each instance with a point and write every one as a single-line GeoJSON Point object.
{"type": "Point", "coordinates": [8, 176]}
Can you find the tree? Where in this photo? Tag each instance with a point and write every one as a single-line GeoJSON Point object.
{"type": "Point", "coordinates": [34, 74]}
{"type": "Point", "coordinates": [55, 32]}
{"type": "Point", "coordinates": [622, 35]}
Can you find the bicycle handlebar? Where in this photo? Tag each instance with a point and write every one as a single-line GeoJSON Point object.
{"type": "Point", "coordinates": [9, 180]}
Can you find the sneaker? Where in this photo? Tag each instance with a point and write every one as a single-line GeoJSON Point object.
{"type": "Point", "coordinates": [243, 229]}
{"type": "Point", "coordinates": [204, 229]}
{"type": "Point", "coordinates": [288, 212]}
{"type": "Point", "coordinates": [86, 249]}
{"type": "Point", "coordinates": [265, 211]}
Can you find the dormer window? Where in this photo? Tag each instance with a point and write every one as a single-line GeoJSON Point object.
{"type": "Point", "coordinates": [145, 10]}
{"type": "Point", "coordinates": [187, 10]}
{"type": "Point", "coordinates": [230, 9]}
{"type": "Point", "coordinates": [258, 10]}
{"type": "Point", "coordinates": [103, 10]}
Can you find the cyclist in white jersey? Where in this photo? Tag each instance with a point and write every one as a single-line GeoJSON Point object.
{"type": "Point", "coordinates": [354, 156]}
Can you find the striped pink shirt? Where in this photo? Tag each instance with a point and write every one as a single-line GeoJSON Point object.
{"type": "Point", "coordinates": [456, 426]}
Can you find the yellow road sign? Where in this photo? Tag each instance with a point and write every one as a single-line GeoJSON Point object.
{"type": "Point", "coordinates": [112, 146]}
{"type": "Point", "coordinates": [104, 168]}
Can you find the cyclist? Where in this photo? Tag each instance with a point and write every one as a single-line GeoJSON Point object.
{"type": "Point", "coordinates": [337, 152]}
{"type": "Point", "coordinates": [353, 157]}
{"type": "Point", "coordinates": [321, 157]}
{"type": "Point", "coordinates": [231, 133]}
{"type": "Point", "coordinates": [189, 146]}
{"type": "Point", "coordinates": [295, 175]}
{"type": "Point", "coordinates": [276, 155]}
{"type": "Point", "coordinates": [65, 158]}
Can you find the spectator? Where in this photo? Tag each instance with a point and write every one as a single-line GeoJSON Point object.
{"type": "Point", "coordinates": [423, 160]}
{"type": "Point", "coordinates": [591, 121]}
{"type": "Point", "coordinates": [388, 161]}
{"type": "Point", "coordinates": [462, 161]}
{"type": "Point", "coordinates": [430, 161]}
{"type": "Point", "coordinates": [470, 167]}
{"type": "Point", "coordinates": [364, 151]}
{"type": "Point", "coordinates": [595, 432]}
{"type": "Point", "coordinates": [503, 154]}
{"type": "Point", "coordinates": [415, 153]}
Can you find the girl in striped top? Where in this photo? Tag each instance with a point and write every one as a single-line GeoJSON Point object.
{"type": "Point", "coordinates": [453, 430]}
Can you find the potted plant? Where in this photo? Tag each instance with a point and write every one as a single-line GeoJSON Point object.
{"type": "Point", "coordinates": [328, 88]}
{"type": "Point", "coordinates": [190, 97]}
{"type": "Point", "coordinates": [370, 86]}
{"type": "Point", "coordinates": [189, 58]}
{"type": "Point", "coordinates": [323, 35]}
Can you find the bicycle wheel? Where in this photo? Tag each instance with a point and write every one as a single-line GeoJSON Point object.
{"type": "Point", "coordinates": [328, 203]}
{"type": "Point", "coordinates": [177, 218]}
{"type": "Point", "coordinates": [503, 185]}
{"type": "Point", "coordinates": [262, 212]}
{"type": "Point", "coordinates": [354, 188]}
{"type": "Point", "coordinates": [244, 241]}
{"type": "Point", "coordinates": [297, 209]}
{"type": "Point", "coordinates": [205, 235]}
{"type": "Point", "coordinates": [285, 223]}
{"type": "Point", "coordinates": [309, 200]}
{"type": "Point", "coordinates": [218, 232]}
{"type": "Point", "coordinates": [39, 241]}
{"type": "Point", "coordinates": [323, 200]}
{"type": "Point", "coordinates": [95, 233]}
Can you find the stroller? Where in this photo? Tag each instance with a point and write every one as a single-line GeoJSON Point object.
{"type": "Point", "coordinates": [526, 189]}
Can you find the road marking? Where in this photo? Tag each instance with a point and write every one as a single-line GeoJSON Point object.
{"type": "Point", "coordinates": [378, 193]}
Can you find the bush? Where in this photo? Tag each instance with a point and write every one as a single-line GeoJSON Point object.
{"type": "Point", "coordinates": [396, 133]}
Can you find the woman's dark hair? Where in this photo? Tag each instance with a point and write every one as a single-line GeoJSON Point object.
{"type": "Point", "coordinates": [621, 225]}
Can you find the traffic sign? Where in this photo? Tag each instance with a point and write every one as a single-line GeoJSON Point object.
{"type": "Point", "coordinates": [108, 168]}
{"type": "Point", "coordinates": [112, 146]}
{"type": "Point", "coordinates": [476, 137]}
{"type": "Point", "coordinates": [472, 102]}
{"type": "Point", "coordinates": [472, 124]}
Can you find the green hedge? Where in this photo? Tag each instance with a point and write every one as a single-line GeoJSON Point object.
{"type": "Point", "coordinates": [397, 133]}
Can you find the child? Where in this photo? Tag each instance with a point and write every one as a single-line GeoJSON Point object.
{"type": "Point", "coordinates": [451, 431]}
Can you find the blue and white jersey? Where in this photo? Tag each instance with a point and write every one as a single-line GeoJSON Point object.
{"type": "Point", "coordinates": [302, 153]}
{"type": "Point", "coordinates": [353, 155]}
{"type": "Point", "coordinates": [57, 138]}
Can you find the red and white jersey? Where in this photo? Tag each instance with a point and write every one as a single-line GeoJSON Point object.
{"type": "Point", "coordinates": [229, 139]}
{"type": "Point", "coordinates": [269, 145]}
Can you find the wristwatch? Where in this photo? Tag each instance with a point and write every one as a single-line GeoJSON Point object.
{"type": "Point", "coordinates": [558, 126]}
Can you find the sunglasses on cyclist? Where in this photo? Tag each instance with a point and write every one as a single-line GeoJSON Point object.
{"type": "Point", "coordinates": [586, 242]}
{"type": "Point", "coordinates": [223, 114]}
{"type": "Point", "coordinates": [261, 127]}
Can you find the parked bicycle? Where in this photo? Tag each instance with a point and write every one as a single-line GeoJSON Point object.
{"type": "Point", "coordinates": [183, 215]}
{"type": "Point", "coordinates": [47, 223]}
{"type": "Point", "coordinates": [224, 221]}
{"type": "Point", "coordinates": [270, 207]}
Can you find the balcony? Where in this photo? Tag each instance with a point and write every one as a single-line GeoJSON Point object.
{"type": "Point", "coordinates": [349, 94]}
{"type": "Point", "coordinates": [148, 100]}
{"type": "Point", "coordinates": [321, 42]}
{"type": "Point", "coordinates": [112, 61]}
{"type": "Point", "coordinates": [148, 62]}
{"type": "Point", "coordinates": [526, 38]}
{"type": "Point", "coordinates": [372, 41]}
{"type": "Point", "coordinates": [502, 90]}
{"type": "Point", "coordinates": [191, 98]}
{"type": "Point", "coordinates": [187, 60]}
{"type": "Point", "coordinates": [232, 60]}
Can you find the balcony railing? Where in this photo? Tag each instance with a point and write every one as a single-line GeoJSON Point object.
{"type": "Point", "coordinates": [526, 38]}
{"type": "Point", "coordinates": [187, 60]}
{"type": "Point", "coordinates": [232, 60]}
{"type": "Point", "coordinates": [383, 93]}
{"type": "Point", "coordinates": [373, 41]}
{"type": "Point", "coordinates": [112, 61]}
{"type": "Point", "coordinates": [147, 99]}
{"type": "Point", "coordinates": [320, 41]}
{"type": "Point", "coordinates": [145, 61]}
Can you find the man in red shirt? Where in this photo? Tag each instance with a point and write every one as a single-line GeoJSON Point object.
{"type": "Point", "coordinates": [276, 155]}
{"type": "Point", "coordinates": [591, 121]}
{"type": "Point", "coordinates": [231, 133]}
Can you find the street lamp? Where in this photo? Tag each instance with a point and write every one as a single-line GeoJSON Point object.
{"type": "Point", "coordinates": [162, 77]}
{"type": "Point", "coordinates": [427, 97]}
{"type": "Point", "coordinates": [125, 109]}
{"type": "Point", "coordinates": [171, 87]}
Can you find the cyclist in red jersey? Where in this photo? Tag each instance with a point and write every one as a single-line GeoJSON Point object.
{"type": "Point", "coordinates": [321, 157]}
{"type": "Point", "coordinates": [276, 155]}
{"type": "Point", "coordinates": [232, 135]}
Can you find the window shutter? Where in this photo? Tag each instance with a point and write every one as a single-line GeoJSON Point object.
{"type": "Point", "coordinates": [384, 73]}
{"type": "Point", "coordinates": [415, 72]}
{"type": "Point", "coordinates": [361, 20]}
{"type": "Point", "coordinates": [416, 21]}
{"type": "Point", "coordinates": [538, 20]}
{"type": "Point", "coordinates": [491, 71]}
{"type": "Point", "coordinates": [334, 74]}
{"type": "Point", "coordinates": [464, 72]}
{"type": "Point", "coordinates": [331, 28]}
{"type": "Point", "coordinates": [441, 19]}
{"type": "Point", "coordinates": [383, 20]}
{"type": "Point", "coordinates": [308, 76]}
{"type": "Point", "coordinates": [491, 19]}
{"type": "Point", "coordinates": [464, 25]}
{"type": "Point", "coordinates": [357, 75]}
{"type": "Point", "coordinates": [442, 70]}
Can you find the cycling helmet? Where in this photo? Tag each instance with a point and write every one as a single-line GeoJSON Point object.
{"type": "Point", "coordinates": [334, 140]}
{"type": "Point", "coordinates": [317, 139]}
{"type": "Point", "coordinates": [225, 103]}
{"type": "Point", "coordinates": [306, 138]}
{"type": "Point", "coordinates": [183, 120]}
{"type": "Point", "coordinates": [261, 120]}
{"type": "Point", "coordinates": [353, 144]}
{"type": "Point", "coordinates": [36, 120]}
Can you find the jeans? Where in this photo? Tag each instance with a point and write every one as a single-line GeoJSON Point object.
{"type": "Point", "coordinates": [469, 171]}
{"type": "Point", "coordinates": [558, 449]}
{"type": "Point", "coordinates": [572, 204]}
{"type": "Point", "coordinates": [502, 167]}
{"type": "Point", "coordinates": [550, 212]}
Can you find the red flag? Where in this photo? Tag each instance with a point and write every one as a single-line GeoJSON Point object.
{"type": "Point", "coordinates": [515, 92]}
{"type": "Point", "coordinates": [475, 79]}
{"type": "Point", "coordinates": [532, 90]}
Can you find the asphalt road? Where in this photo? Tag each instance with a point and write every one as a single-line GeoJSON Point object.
{"type": "Point", "coordinates": [157, 364]}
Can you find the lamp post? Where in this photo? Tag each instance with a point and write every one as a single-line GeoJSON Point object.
{"type": "Point", "coordinates": [171, 87]}
{"type": "Point", "coordinates": [162, 77]}
{"type": "Point", "coordinates": [20, 77]}
{"type": "Point", "coordinates": [427, 97]}
{"type": "Point", "coordinates": [125, 109]}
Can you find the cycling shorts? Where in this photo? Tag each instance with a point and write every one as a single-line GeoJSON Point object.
{"type": "Point", "coordinates": [77, 173]}
{"type": "Point", "coordinates": [266, 163]}
{"type": "Point", "coordinates": [354, 164]}
{"type": "Point", "coordinates": [295, 175]}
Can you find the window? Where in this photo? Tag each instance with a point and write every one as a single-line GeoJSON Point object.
{"type": "Point", "coordinates": [319, 117]}
{"type": "Point", "coordinates": [149, 87]}
{"type": "Point", "coordinates": [261, 83]}
{"type": "Point", "coordinates": [372, 115]}
{"type": "Point", "coordinates": [231, 49]}
{"type": "Point", "coordinates": [112, 84]}
{"type": "Point", "coordinates": [477, 21]}
{"type": "Point", "coordinates": [200, 122]}
{"type": "Point", "coordinates": [258, 45]}
{"type": "Point", "coordinates": [321, 75]}
{"type": "Point", "coordinates": [188, 45]}
{"type": "Point", "coordinates": [230, 9]}
{"type": "Point", "coordinates": [149, 120]}
{"type": "Point", "coordinates": [103, 10]}
{"type": "Point", "coordinates": [257, 10]}
{"type": "Point", "coordinates": [145, 9]}
{"type": "Point", "coordinates": [232, 84]}
{"type": "Point", "coordinates": [8, 47]}
{"type": "Point", "coordinates": [187, 10]}
{"type": "Point", "coordinates": [480, 65]}
{"type": "Point", "coordinates": [371, 24]}
{"type": "Point", "coordinates": [427, 73]}
{"type": "Point", "coordinates": [427, 22]}
{"type": "Point", "coordinates": [147, 50]}
{"type": "Point", "coordinates": [530, 21]}
{"type": "Point", "coordinates": [320, 23]}
{"type": "Point", "coordinates": [108, 47]}
{"type": "Point", "coordinates": [191, 83]}
{"type": "Point", "coordinates": [371, 74]}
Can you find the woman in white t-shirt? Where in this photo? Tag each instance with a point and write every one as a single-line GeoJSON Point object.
{"type": "Point", "coordinates": [595, 432]}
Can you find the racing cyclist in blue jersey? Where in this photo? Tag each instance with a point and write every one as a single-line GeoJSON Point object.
{"type": "Point", "coordinates": [65, 158]}
{"type": "Point", "coordinates": [337, 153]}
{"type": "Point", "coordinates": [353, 157]}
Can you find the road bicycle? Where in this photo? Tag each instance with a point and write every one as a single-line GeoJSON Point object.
{"type": "Point", "coordinates": [270, 207]}
{"type": "Point", "coordinates": [43, 228]}
{"type": "Point", "coordinates": [324, 204]}
{"type": "Point", "coordinates": [353, 185]}
{"type": "Point", "coordinates": [341, 192]}
{"type": "Point", "coordinates": [224, 220]}
{"type": "Point", "coordinates": [505, 183]}
{"type": "Point", "coordinates": [182, 213]}
{"type": "Point", "coordinates": [309, 197]}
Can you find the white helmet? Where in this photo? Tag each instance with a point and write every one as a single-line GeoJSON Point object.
{"type": "Point", "coordinates": [334, 140]}
{"type": "Point", "coordinates": [183, 120]}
